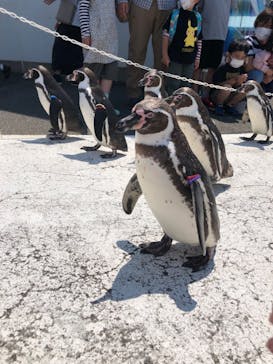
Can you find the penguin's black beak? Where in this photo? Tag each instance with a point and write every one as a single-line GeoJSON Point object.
{"type": "Point", "coordinates": [127, 123]}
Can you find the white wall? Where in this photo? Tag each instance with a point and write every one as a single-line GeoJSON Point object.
{"type": "Point", "coordinates": [20, 42]}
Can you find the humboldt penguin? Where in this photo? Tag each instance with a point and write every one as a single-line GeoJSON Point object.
{"type": "Point", "coordinates": [98, 113]}
{"type": "Point", "coordinates": [174, 183]}
{"type": "Point", "coordinates": [153, 85]}
{"type": "Point", "coordinates": [63, 114]}
{"type": "Point", "coordinates": [259, 110]}
{"type": "Point", "coordinates": [202, 134]}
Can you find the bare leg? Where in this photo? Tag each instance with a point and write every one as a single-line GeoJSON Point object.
{"type": "Point", "coordinates": [157, 248]}
{"type": "Point", "coordinates": [106, 86]}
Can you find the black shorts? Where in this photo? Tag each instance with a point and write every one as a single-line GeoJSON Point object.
{"type": "Point", "coordinates": [107, 71]}
{"type": "Point", "coordinates": [212, 53]}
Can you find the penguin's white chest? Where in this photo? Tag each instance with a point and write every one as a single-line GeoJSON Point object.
{"type": "Point", "coordinates": [257, 118]}
{"type": "Point", "coordinates": [196, 142]}
{"type": "Point", "coordinates": [43, 98]}
{"type": "Point", "coordinates": [168, 205]}
{"type": "Point", "coordinates": [87, 113]}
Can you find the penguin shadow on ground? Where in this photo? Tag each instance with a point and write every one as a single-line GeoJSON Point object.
{"type": "Point", "coordinates": [220, 188]}
{"type": "Point", "coordinates": [94, 157]}
{"type": "Point", "coordinates": [252, 144]}
{"type": "Point", "coordinates": [46, 141]}
{"type": "Point", "coordinates": [146, 275]}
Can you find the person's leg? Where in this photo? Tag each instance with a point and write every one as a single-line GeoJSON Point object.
{"type": "Point", "coordinates": [172, 83]}
{"type": "Point", "coordinates": [140, 27]}
{"type": "Point", "coordinates": [219, 98]}
{"type": "Point", "coordinates": [187, 71]}
{"type": "Point", "coordinates": [211, 56]}
{"type": "Point", "coordinates": [160, 17]}
{"type": "Point", "coordinates": [108, 75]}
{"type": "Point", "coordinates": [97, 68]}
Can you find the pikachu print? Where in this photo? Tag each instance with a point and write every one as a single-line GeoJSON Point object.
{"type": "Point", "coordinates": [190, 38]}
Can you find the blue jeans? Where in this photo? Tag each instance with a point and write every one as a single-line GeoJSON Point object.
{"type": "Point", "coordinates": [184, 70]}
{"type": "Point", "coordinates": [256, 75]}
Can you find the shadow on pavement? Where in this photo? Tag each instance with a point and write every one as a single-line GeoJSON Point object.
{"type": "Point", "coordinates": [91, 157]}
{"type": "Point", "coordinates": [47, 141]}
{"type": "Point", "coordinates": [252, 144]}
{"type": "Point", "coordinates": [220, 188]}
{"type": "Point", "coordinates": [147, 275]}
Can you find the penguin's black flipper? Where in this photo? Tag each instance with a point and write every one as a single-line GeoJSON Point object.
{"type": "Point", "coordinates": [118, 140]}
{"type": "Point", "coordinates": [131, 195]}
{"type": "Point", "coordinates": [54, 112]}
{"type": "Point", "coordinates": [99, 120]}
{"type": "Point", "coordinates": [199, 212]}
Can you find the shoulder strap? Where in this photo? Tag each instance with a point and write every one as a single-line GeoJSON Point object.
{"type": "Point", "coordinates": [173, 23]}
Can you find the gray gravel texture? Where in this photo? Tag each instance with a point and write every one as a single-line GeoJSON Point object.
{"type": "Point", "coordinates": [75, 289]}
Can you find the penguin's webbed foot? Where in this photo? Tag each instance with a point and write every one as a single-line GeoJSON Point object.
{"type": "Point", "coordinates": [264, 141]}
{"type": "Point", "coordinates": [199, 262]}
{"type": "Point", "coordinates": [249, 139]}
{"type": "Point", "coordinates": [91, 149]}
{"type": "Point", "coordinates": [157, 248]}
{"type": "Point", "coordinates": [109, 155]}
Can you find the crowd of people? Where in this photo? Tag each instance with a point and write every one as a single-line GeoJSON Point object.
{"type": "Point", "coordinates": [188, 36]}
{"type": "Point", "coordinates": [186, 39]}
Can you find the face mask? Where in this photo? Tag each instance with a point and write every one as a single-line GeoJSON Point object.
{"type": "Point", "coordinates": [186, 4]}
{"type": "Point", "coordinates": [262, 33]}
{"type": "Point", "coordinates": [236, 63]}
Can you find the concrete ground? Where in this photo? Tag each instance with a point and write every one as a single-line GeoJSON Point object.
{"type": "Point", "coordinates": [21, 112]}
{"type": "Point", "coordinates": [75, 289]}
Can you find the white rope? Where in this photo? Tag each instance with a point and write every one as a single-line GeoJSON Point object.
{"type": "Point", "coordinates": [109, 55]}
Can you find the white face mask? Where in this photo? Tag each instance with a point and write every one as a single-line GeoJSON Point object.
{"type": "Point", "coordinates": [185, 4]}
{"type": "Point", "coordinates": [262, 33]}
{"type": "Point", "coordinates": [236, 63]}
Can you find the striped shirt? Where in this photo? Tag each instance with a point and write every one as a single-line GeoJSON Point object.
{"type": "Point", "coordinates": [255, 45]}
{"type": "Point", "coordinates": [146, 4]}
{"type": "Point", "coordinates": [84, 7]}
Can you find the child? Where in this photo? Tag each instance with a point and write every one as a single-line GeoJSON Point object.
{"type": "Point", "coordinates": [180, 50]}
{"type": "Point", "coordinates": [232, 74]}
{"type": "Point", "coordinates": [99, 29]}
{"type": "Point", "coordinates": [264, 61]}
{"type": "Point", "coordinates": [263, 28]}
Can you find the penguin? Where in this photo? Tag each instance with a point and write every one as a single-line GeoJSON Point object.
{"type": "Point", "coordinates": [63, 115]}
{"type": "Point", "coordinates": [259, 110]}
{"type": "Point", "coordinates": [204, 138]}
{"type": "Point", "coordinates": [98, 113]}
{"type": "Point", "coordinates": [153, 85]}
{"type": "Point", "coordinates": [174, 183]}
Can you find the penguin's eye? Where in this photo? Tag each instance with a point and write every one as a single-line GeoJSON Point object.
{"type": "Point", "coordinates": [179, 97]}
{"type": "Point", "coordinates": [149, 115]}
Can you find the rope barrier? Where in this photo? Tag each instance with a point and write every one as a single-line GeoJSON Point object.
{"type": "Point", "coordinates": [112, 56]}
